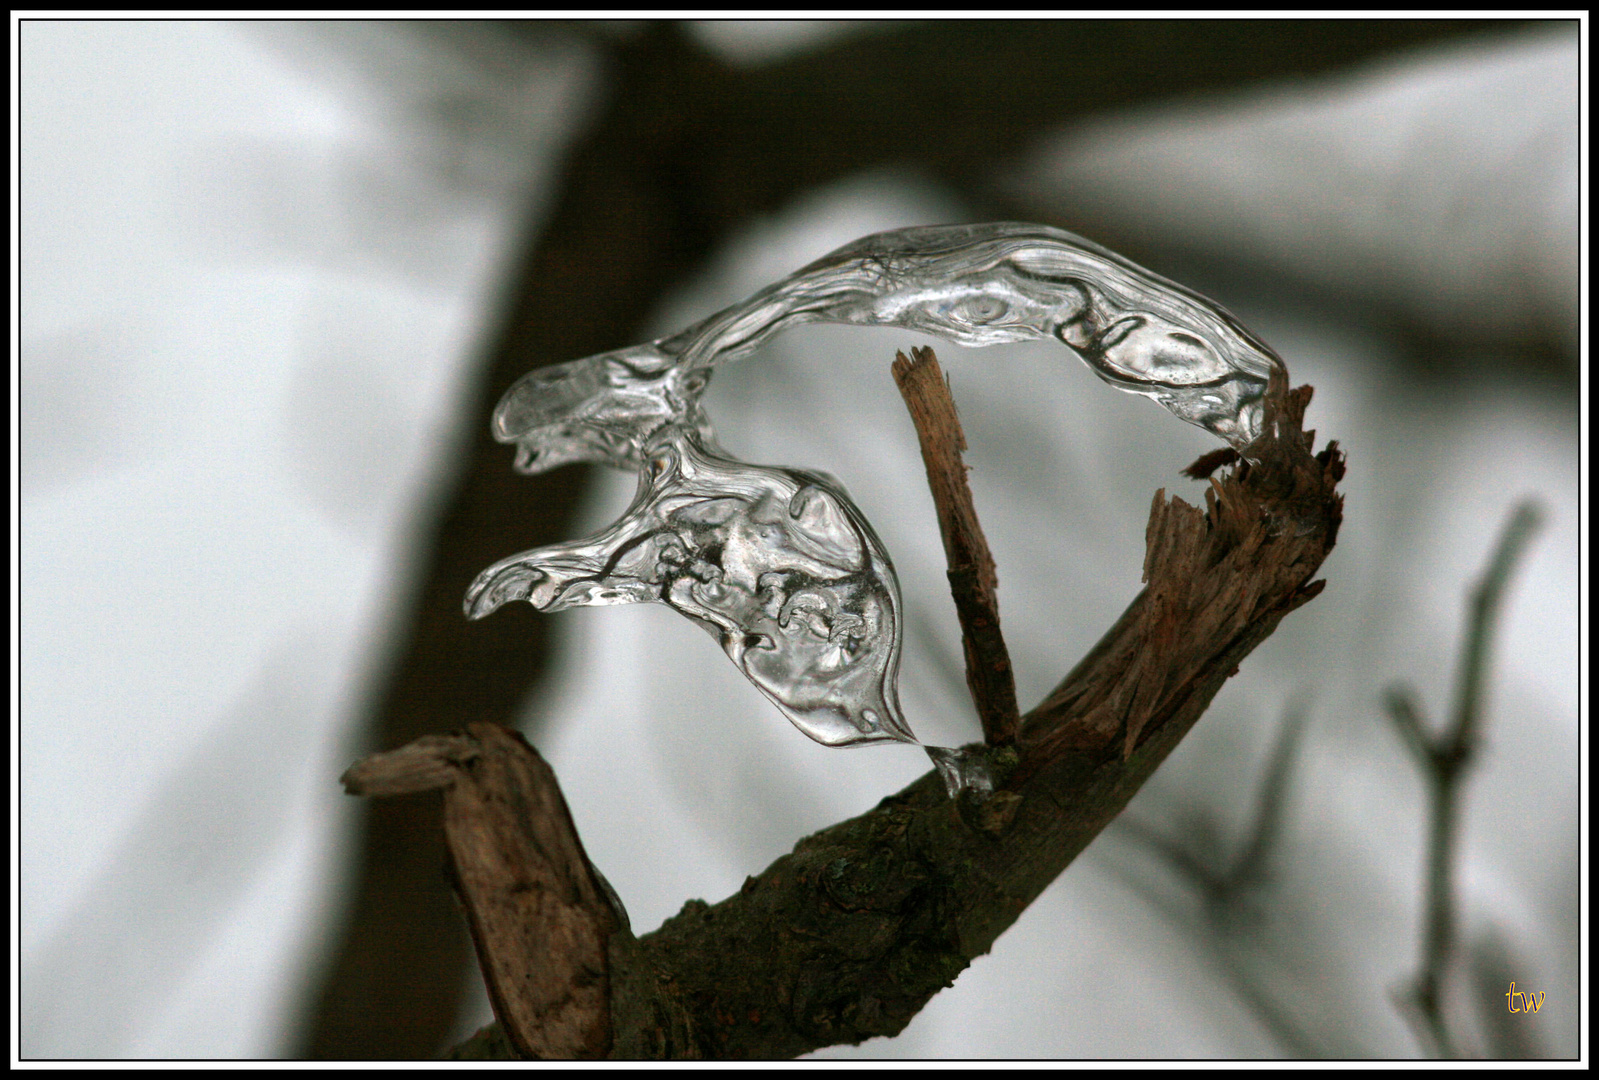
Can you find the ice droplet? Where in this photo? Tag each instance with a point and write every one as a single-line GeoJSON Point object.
{"type": "Point", "coordinates": [779, 564]}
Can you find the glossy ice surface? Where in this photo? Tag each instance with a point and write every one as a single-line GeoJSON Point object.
{"type": "Point", "coordinates": [974, 285]}
{"type": "Point", "coordinates": [779, 564]}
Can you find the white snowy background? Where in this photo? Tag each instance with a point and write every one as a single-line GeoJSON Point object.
{"type": "Point", "coordinates": [253, 274]}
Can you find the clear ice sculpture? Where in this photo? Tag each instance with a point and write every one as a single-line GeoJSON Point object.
{"type": "Point", "coordinates": [779, 564]}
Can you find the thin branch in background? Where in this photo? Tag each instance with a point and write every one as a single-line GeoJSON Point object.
{"type": "Point", "coordinates": [1251, 867]}
{"type": "Point", "coordinates": [1227, 882]}
{"type": "Point", "coordinates": [1443, 760]}
{"type": "Point", "coordinates": [973, 580]}
{"type": "Point", "coordinates": [1232, 886]}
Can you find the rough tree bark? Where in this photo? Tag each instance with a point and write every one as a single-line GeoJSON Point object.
{"type": "Point", "coordinates": [540, 915]}
{"type": "Point", "coordinates": [849, 935]}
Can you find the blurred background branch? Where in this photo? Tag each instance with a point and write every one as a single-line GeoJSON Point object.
{"type": "Point", "coordinates": [1239, 891]}
{"type": "Point", "coordinates": [1443, 761]}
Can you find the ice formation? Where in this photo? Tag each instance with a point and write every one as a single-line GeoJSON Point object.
{"type": "Point", "coordinates": [778, 563]}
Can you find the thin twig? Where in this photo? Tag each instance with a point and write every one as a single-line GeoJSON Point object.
{"type": "Point", "coordinates": [1405, 712]}
{"type": "Point", "coordinates": [1444, 759]}
{"type": "Point", "coordinates": [1227, 885]}
{"type": "Point", "coordinates": [973, 580]}
{"type": "Point", "coordinates": [1485, 602]}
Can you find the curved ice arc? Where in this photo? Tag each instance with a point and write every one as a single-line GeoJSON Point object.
{"type": "Point", "coordinates": [1004, 282]}
{"type": "Point", "coordinates": [972, 284]}
{"type": "Point", "coordinates": [777, 564]}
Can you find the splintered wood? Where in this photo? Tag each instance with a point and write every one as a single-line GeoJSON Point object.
{"type": "Point", "coordinates": [1216, 583]}
{"type": "Point", "coordinates": [539, 916]}
{"type": "Point", "coordinates": [973, 581]}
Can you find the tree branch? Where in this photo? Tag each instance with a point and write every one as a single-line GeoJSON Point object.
{"type": "Point", "coordinates": [683, 151]}
{"type": "Point", "coordinates": [1443, 760]}
{"type": "Point", "coordinates": [973, 580]}
{"type": "Point", "coordinates": [849, 935]}
{"type": "Point", "coordinates": [1216, 582]}
{"type": "Point", "coordinates": [539, 913]}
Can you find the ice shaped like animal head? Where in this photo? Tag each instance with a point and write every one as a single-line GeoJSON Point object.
{"type": "Point", "coordinates": [601, 408]}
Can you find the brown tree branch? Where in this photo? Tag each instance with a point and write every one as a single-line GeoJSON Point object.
{"type": "Point", "coordinates": [683, 151]}
{"type": "Point", "coordinates": [539, 914]}
{"type": "Point", "coordinates": [1216, 584]}
{"type": "Point", "coordinates": [849, 935]}
{"type": "Point", "coordinates": [973, 580]}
